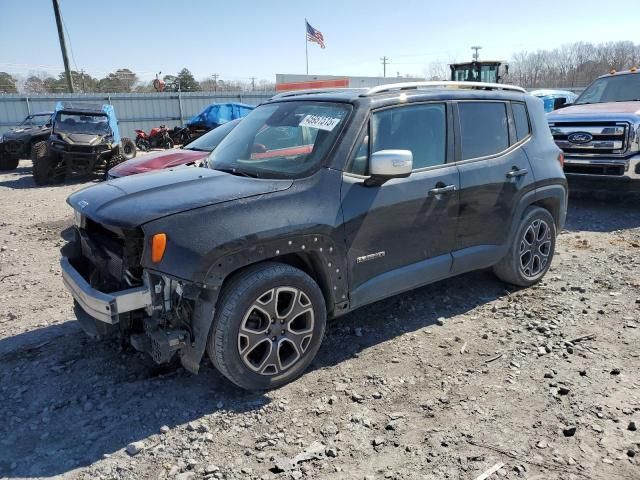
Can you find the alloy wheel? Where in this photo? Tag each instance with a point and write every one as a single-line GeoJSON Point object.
{"type": "Point", "coordinates": [276, 330]}
{"type": "Point", "coordinates": [535, 248]}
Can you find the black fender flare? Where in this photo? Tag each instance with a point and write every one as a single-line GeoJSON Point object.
{"type": "Point", "coordinates": [327, 259]}
{"type": "Point", "coordinates": [553, 197]}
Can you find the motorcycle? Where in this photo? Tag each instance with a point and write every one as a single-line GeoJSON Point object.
{"type": "Point", "coordinates": [180, 135]}
{"type": "Point", "coordinates": [158, 137]}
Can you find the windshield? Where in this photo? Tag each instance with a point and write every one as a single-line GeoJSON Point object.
{"type": "Point", "coordinates": [619, 88]}
{"type": "Point", "coordinates": [210, 140]}
{"type": "Point", "coordinates": [280, 140]}
{"type": "Point", "coordinates": [36, 120]}
{"type": "Point", "coordinates": [82, 123]}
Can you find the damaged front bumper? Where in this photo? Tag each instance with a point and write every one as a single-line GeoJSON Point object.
{"type": "Point", "coordinates": [104, 307]}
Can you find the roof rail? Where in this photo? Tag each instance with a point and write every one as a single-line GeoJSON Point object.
{"type": "Point", "coordinates": [295, 93]}
{"type": "Point", "coordinates": [440, 84]}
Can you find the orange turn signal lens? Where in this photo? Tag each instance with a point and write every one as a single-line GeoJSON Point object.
{"type": "Point", "coordinates": [561, 159]}
{"type": "Point", "coordinates": [158, 246]}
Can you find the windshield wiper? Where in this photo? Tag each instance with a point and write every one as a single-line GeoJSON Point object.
{"type": "Point", "coordinates": [235, 171]}
{"type": "Point", "coordinates": [196, 149]}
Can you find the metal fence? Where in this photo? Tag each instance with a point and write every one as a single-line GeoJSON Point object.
{"type": "Point", "coordinates": [134, 110]}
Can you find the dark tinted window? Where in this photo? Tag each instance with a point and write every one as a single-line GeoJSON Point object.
{"type": "Point", "coordinates": [484, 128]}
{"type": "Point", "coordinates": [419, 128]}
{"type": "Point", "coordinates": [521, 120]}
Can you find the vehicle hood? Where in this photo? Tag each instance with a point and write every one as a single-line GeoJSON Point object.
{"type": "Point", "coordinates": [157, 161]}
{"type": "Point", "coordinates": [132, 201]}
{"type": "Point", "coordinates": [597, 111]}
{"type": "Point", "coordinates": [82, 138]}
{"type": "Point", "coordinates": [19, 132]}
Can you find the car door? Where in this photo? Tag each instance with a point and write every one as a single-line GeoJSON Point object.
{"type": "Point", "coordinates": [494, 173]}
{"type": "Point", "coordinates": [400, 234]}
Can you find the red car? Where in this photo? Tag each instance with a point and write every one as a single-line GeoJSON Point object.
{"type": "Point", "coordinates": [187, 155]}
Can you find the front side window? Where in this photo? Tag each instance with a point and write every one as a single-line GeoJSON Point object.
{"type": "Point", "coordinates": [521, 119]}
{"type": "Point", "coordinates": [422, 129]}
{"type": "Point", "coordinates": [281, 140]}
{"type": "Point", "coordinates": [484, 128]}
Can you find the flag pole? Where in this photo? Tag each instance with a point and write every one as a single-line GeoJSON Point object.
{"type": "Point", "coordinates": [306, 45]}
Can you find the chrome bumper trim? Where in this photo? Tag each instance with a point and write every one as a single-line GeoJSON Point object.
{"type": "Point", "coordinates": [104, 307]}
{"type": "Point", "coordinates": [631, 166]}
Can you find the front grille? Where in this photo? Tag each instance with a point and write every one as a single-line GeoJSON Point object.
{"type": "Point", "coordinates": [115, 258]}
{"type": "Point", "coordinates": [595, 169]}
{"type": "Point", "coordinates": [591, 139]}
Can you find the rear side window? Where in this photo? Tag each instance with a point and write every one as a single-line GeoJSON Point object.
{"type": "Point", "coordinates": [422, 129]}
{"type": "Point", "coordinates": [521, 119]}
{"type": "Point", "coordinates": [484, 128]}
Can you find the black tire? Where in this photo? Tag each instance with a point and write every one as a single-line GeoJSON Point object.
{"type": "Point", "coordinates": [46, 168]}
{"type": "Point", "coordinates": [244, 303]}
{"type": "Point", "coordinates": [531, 252]}
{"type": "Point", "coordinates": [112, 162]}
{"type": "Point", "coordinates": [7, 163]}
{"type": "Point", "coordinates": [128, 148]}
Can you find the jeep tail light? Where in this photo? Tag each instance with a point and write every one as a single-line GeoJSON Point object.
{"type": "Point", "coordinates": [158, 246]}
{"type": "Point", "coordinates": [561, 159]}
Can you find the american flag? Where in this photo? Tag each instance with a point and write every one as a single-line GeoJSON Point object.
{"type": "Point", "coordinates": [314, 35]}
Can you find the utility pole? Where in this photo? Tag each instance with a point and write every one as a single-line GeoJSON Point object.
{"type": "Point", "coordinates": [476, 55]}
{"type": "Point", "coordinates": [63, 45]}
{"type": "Point", "coordinates": [384, 61]}
{"type": "Point", "coordinates": [215, 82]}
{"type": "Point", "coordinates": [253, 83]}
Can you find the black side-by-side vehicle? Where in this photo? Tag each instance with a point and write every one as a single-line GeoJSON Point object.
{"type": "Point", "coordinates": [317, 203]}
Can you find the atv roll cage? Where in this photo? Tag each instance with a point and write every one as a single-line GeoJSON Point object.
{"type": "Point", "coordinates": [88, 110]}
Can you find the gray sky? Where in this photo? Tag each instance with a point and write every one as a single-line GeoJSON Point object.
{"type": "Point", "coordinates": [244, 38]}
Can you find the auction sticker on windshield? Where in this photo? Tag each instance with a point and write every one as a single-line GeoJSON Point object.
{"type": "Point", "coordinates": [320, 122]}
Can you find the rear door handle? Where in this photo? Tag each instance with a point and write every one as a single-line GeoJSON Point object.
{"type": "Point", "coordinates": [515, 172]}
{"type": "Point", "coordinates": [440, 190]}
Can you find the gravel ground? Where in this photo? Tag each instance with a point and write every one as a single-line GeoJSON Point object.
{"type": "Point", "coordinates": [444, 382]}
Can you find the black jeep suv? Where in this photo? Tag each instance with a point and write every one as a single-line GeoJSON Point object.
{"type": "Point", "coordinates": [314, 205]}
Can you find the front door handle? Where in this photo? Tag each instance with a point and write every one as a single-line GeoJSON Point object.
{"type": "Point", "coordinates": [517, 172]}
{"type": "Point", "coordinates": [443, 189]}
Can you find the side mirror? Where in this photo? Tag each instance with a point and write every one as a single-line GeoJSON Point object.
{"type": "Point", "coordinates": [387, 164]}
{"type": "Point", "coordinates": [559, 103]}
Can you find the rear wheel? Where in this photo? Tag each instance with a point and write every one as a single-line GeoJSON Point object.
{"type": "Point", "coordinates": [531, 251]}
{"type": "Point", "coordinates": [128, 148]}
{"type": "Point", "coordinates": [47, 169]}
{"type": "Point", "coordinates": [268, 326]}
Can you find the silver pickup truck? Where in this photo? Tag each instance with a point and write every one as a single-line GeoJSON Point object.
{"type": "Point", "coordinates": [600, 133]}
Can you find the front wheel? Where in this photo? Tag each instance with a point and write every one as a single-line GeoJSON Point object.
{"type": "Point", "coordinates": [268, 326]}
{"type": "Point", "coordinates": [47, 169]}
{"type": "Point", "coordinates": [531, 251]}
{"type": "Point", "coordinates": [128, 148]}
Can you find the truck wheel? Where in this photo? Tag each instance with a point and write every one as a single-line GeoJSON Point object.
{"type": "Point", "coordinates": [530, 254]}
{"type": "Point", "coordinates": [46, 168]}
{"type": "Point", "coordinates": [7, 162]}
{"type": "Point", "coordinates": [128, 148]}
{"type": "Point", "coordinates": [112, 162]}
{"type": "Point", "coordinates": [268, 326]}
